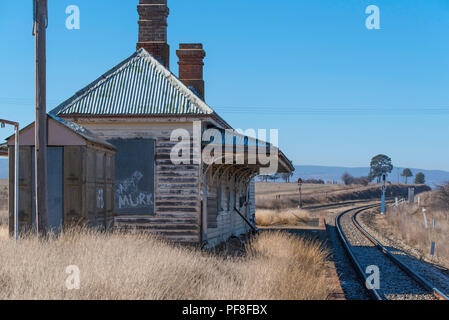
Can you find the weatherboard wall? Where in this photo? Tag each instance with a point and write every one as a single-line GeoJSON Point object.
{"type": "Point", "coordinates": [177, 203]}
{"type": "Point", "coordinates": [225, 193]}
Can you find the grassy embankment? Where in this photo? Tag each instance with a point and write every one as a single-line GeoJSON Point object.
{"type": "Point", "coordinates": [406, 222]}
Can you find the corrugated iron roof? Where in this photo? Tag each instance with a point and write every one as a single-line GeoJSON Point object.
{"type": "Point", "coordinates": [74, 127]}
{"type": "Point", "coordinates": [82, 131]}
{"type": "Point", "coordinates": [232, 137]}
{"type": "Point", "coordinates": [140, 85]}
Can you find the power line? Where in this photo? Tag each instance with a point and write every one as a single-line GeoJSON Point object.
{"type": "Point", "coordinates": [289, 110]}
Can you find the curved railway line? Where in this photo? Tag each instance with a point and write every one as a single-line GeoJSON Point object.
{"type": "Point", "coordinates": [397, 280]}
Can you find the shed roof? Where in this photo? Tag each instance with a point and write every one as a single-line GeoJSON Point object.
{"type": "Point", "coordinates": [140, 85]}
{"type": "Point", "coordinates": [72, 127]}
{"type": "Point", "coordinates": [81, 131]}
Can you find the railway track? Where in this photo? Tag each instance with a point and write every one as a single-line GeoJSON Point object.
{"type": "Point", "coordinates": [397, 281]}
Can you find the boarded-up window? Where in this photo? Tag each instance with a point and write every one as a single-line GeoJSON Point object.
{"type": "Point", "coordinates": [134, 176]}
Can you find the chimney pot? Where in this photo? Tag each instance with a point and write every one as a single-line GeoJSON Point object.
{"type": "Point", "coordinates": [191, 56]}
{"type": "Point", "coordinates": [153, 16]}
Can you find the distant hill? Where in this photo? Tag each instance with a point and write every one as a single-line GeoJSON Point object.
{"type": "Point", "coordinates": [433, 177]}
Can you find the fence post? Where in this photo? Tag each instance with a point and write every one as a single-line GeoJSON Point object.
{"type": "Point", "coordinates": [425, 217]}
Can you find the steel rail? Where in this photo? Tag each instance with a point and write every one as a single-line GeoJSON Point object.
{"type": "Point", "coordinates": [423, 282]}
{"type": "Point", "coordinates": [377, 295]}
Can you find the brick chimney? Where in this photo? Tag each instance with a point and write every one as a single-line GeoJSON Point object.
{"type": "Point", "coordinates": [153, 16]}
{"type": "Point", "coordinates": [191, 64]}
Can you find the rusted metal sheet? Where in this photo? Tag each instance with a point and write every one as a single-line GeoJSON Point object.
{"type": "Point", "coordinates": [80, 186]}
{"type": "Point", "coordinates": [74, 186]}
{"type": "Point", "coordinates": [54, 189]}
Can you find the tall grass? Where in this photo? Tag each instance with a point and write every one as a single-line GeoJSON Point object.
{"type": "Point", "coordinates": [3, 203]}
{"type": "Point", "coordinates": [138, 266]}
{"type": "Point", "coordinates": [267, 217]}
{"type": "Point", "coordinates": [407, 223]}
{"type": "Point", "coordinates": [4, 217]}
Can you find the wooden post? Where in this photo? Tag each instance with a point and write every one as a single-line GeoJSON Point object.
{"type": "Point", "coordinates": [41, 119]}
{"type": "Point", "coordinates": [16, 184]}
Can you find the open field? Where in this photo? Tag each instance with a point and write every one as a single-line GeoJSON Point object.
{"type": "Point", "coordinates": [286, 195]}
{"type": "Point", "coordinates": [118, 266]}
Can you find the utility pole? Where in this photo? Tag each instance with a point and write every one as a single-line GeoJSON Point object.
{"type": "Point", "coordinates": [300, 192]}
{"type": "Point", "coordinates": [40, 26]}
{"type": "Point", "coordinates": [384, 189]}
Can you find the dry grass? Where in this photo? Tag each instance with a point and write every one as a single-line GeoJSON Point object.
{"type": "Point", "coordinates": [268, 217]}
{"type": "Point", "coordinates": [407, 222]}
{"type": "Point", "coordinates": [286, 195]}
{"type": "Point", "coordinates": [119, 266]}
{"type": "Point", "coordinates": [3, 232]}
{"type": "Point", "coordinates": [3, 202]}
{"type": "Point", "coordinates": [4, 216]}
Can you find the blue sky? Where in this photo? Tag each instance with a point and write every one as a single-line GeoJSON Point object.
{"type": "Point", "coordinates": [338, 92]}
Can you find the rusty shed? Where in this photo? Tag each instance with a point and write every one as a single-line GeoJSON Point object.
{"type": "Point", "coordinates": [80, 174]}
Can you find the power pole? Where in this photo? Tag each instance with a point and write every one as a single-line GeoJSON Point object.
{"type": "Point", "coordinates": [384, 188]}
{"type": "Point", "coordinates": [40, 26]}
{"type": "Point", "coordinates": [300, 192]}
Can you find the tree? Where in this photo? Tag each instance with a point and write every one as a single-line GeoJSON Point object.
{"type": "Point", "coordinates": [407, 173]}
{"type": "Point", "coordinates": [364, 181]}
{"type": "Point", "coordinates": [274, 177]}
{"type": "Point", "coordinates": [380, 165]}
{"type": "Point", "coordinates": [286, 176]}
{"type": "Point", "coordinates": [443, 194]}
{"type": "Point", "coordinates": [420, 178]}
{"type": "Point", "coordinates": [347, 178]}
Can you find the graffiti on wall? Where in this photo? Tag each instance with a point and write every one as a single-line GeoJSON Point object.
{"type": "Point", "coordinates": [130, 196]}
